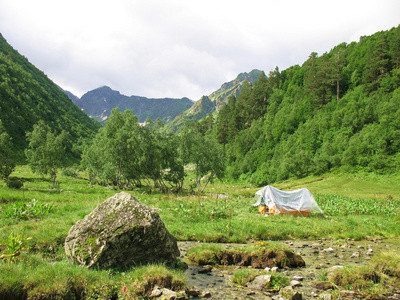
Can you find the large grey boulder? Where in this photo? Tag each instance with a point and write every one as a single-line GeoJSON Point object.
{"type": "Point", "coordinates": [119, 233]}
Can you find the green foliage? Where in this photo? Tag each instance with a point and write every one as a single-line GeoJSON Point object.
{"type": "Point", "coordinates": [244, 276]}
{"type": "Point", "coordinates": [27, 96]}
{"type": "Point", "coordinates": [7, 156]}
{"type": "Point", "coordinates": [338, 205]}
{"type": "Point", "coordinates": [124, 154]}
{"type": "Point", "coordinates": [338, 111]}
{"type": "Point", "coordinates": [358, 278]}
{"type": "Point", "coordinates": [30, 210]}
{"type": "Point", "coordinates": [204, 152]}
{"type": "Point", "coordinates": [14, 245]}
{"type": "Point", "coordinates": [387, 263]}
{"type": "Point", "coordinates": [45, 152]}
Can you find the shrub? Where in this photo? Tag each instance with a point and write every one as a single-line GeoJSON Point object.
{"type": "Point", "coordinates": [14, 183]}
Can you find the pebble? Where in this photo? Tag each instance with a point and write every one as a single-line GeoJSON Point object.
{"type": "Point", "coordinates": [251, 293]}
{"type": "Point", "coordinates": [295, 283]}
{"type": "Point", "coordinates": [327, 250]}
{"type": "Point", "coordinates": [369, 252]}
{"type": "Point", "coordinates": [298, 278]}
{"type": "Point", "coordinates": [205, 269]}
{"type": "Point", "coordinates": [355, 255]}
{"type": "Point", "coordinates": [205, 294]}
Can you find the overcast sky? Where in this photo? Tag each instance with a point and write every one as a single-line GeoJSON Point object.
{"type": "Point", "coordinates": [180, 48]}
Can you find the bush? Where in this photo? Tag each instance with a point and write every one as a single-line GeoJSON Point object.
{"type": "Point", "coordinates": [14, 183]}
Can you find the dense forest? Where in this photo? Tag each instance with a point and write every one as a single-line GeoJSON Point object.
{"type": "Point", "coordinates": [338, 111]}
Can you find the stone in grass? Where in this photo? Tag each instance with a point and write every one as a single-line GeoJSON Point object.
{"type": "Point", "coordinates": [259, 282]}
{"type": "Point", "coordinates": [119, 233]}
{"type": "Point", "coordinates": [289, 293]}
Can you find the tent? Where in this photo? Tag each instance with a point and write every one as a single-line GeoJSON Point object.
{"type": "Point", "coordinates": [298, 202]}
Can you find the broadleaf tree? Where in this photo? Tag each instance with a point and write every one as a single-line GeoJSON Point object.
{"type": "Point", "coordinates": [45, 151]}
{"type": "Point", "coordinates": [7, 157]}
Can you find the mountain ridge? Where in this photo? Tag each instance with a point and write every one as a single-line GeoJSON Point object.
{"type": "Point", "coordinates": [99, 102]}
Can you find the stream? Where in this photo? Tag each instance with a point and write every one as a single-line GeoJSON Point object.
{"type": "Point", "coordinates": [320, 256]}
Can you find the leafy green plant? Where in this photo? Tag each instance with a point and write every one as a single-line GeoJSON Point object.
{"type": "Point", "coordinates": [30, 210]}
{"type": "Point", "coordinates": [14, 245]}
{"type": "Point", "coordinates": [338, 205]}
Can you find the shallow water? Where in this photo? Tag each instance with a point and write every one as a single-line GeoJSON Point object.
{"type": "Point", "coordinates": [318, 255]}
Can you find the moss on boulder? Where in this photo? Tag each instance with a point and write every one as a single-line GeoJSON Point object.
{"type": "Point", "coordinates": [119, 233]}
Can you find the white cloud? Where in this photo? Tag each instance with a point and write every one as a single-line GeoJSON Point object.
{"type": "Point", "coordinates": [177, 48]}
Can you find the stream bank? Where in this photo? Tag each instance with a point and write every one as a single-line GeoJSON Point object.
{"type": "Point", "coordinates": [321, 257]}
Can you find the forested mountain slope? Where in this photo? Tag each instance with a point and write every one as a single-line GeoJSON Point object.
{"type": "Point", "coordinates": [340, 110]}
{"type": "Point", "coordinates": [27, 95]}
{"type": "Point", "coordinates": [216, 100]}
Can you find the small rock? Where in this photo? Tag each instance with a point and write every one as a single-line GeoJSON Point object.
{"type": "Point", "coordinates": [355, 255]}
{"type": "Point", "coordinates": [314, 294]}
{"type": "Point", "coordinates": [194, 293]}
{"type": "Point", "coordinates": [298, 278]}
{"type": "Point", "coordinates": [205, 269]}
{"type": "Point", "coordinates": [251, 293]}
{"type": "Point", "coordinates": [156, 292]}
{"type": "Point", "coordinates": [326, 297]}
{"type": "Point", "coordinates": [295, 283]}
{"type": "Point", "coordinates": [327, 250]}
{"type": "Point", "coordinates": [168, 294]}
{"type": "Point", "coordinates": [259, 282]}
{"type": "Point", "coordinates": [369, 252]}
{"type": "Point", "coordinates": [267, 269]}
{"type": "Point", "coordinates": [288, 293]}
{"type": "Point", "coordinates": [205, 294]}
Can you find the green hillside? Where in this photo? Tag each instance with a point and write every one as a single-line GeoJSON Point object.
{"type": "Point", "coordinates": [338, 111]}
{"type": "Point", "coordinates": [27, 95]}
{"type": "Point", "coordinates": [208, 105]}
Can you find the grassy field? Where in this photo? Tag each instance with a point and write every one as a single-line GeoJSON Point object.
{"type": "Point", "coordinates": [356, 206]}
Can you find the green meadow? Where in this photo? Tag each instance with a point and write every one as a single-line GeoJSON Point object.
{"type": "Point", "coordinates": [35, 220]}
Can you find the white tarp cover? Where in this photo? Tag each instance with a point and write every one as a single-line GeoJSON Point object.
{"type": "Point", "coordinates": [299, 201]}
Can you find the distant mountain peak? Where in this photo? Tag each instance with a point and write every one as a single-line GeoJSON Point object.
{"type": "Point", "coordinates": [99, 102]}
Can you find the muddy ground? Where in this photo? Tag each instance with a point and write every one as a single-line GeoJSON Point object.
{"type": "Point", "coordinates": [320, 256]}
